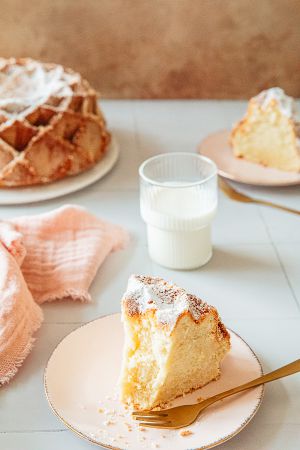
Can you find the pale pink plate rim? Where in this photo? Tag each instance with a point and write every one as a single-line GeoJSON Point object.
{"type": "Point", "coordinates": [225, 173]}
{"type": "Point", "coordinates": [105, 445]}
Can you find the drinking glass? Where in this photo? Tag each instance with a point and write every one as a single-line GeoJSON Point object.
{"type": "Point", "coordinates": [178, 201]}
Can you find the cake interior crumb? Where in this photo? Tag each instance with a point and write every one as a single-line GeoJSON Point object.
{"type": "Point", "coordinates": [185, 433]}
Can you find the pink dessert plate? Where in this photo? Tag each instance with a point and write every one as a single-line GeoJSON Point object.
{"type": "Point", "coordinates": [81, 384]}
{"type": "Point", "coordinates": [216, 147]}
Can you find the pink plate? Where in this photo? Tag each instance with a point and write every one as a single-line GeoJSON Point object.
{"type": "Point", "coordinates": [216, 147]}
{"type": "Point", "coordinates": [81, 381]}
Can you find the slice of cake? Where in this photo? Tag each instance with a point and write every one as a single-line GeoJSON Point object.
{"type": "Point", "coordinates": [174, 342]}
{"type": "Point", "coordinates": [269, 134]}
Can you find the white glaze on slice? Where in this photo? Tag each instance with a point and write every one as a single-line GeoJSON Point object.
{"type": "Point", "coordinates": [167, 300]}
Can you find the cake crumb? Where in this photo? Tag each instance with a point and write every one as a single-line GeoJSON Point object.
{"type": "Point", "coordinates": [129, 426]}
{"type": "Point", "coordinates": [142, 429]}
{"type": "Point", "coordinates": [185, 433]}
{"type": "Point", "coordinates": [154, 445]}
{"type": "Point", "coordinates": [101, 410]}
{"type": "Point", "coordinates": [108, 422]}
{"type": "Point", "coordinates": [200, 399]}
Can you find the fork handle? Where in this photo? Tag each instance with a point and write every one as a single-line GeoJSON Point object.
{"type": "Point", "coordinates": [284, 371]}
{"type": "Point", "coordinates": [274, 205]}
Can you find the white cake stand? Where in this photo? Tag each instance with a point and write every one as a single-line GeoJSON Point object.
{"type": "Point", "coordinates": [22, 195]}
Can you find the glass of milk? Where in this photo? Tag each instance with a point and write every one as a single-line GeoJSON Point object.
{"type": "Point", "coordinates": [178, 200]}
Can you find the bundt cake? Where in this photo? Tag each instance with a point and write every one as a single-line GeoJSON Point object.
{"type": "Point", "coordinates": [269, 134]}
{"type": "Point", "coordinates": [50, 124]}
{"type": "Point", "coordinates": [174, 342]}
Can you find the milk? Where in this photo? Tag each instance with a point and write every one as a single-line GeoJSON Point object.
{"type": "Point", "coordinates": [178, 222]}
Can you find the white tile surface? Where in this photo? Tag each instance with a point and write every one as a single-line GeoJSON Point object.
{"type": "Point", "coordinates": [254, 436]}
{"type": "Point", "coordinates": [289, 255]}
{"type": "Point", "coordinates": [275, 345]}
{"type": "Point", "coordinates": [23, 402]}
{"type": "Point", "coordinates": [282, 227]}
{"type": "Point", "coordinates": [253, 278]}
{"type": "Point", "coordinates": [107, 287]}
{"type": "Point", "coordinates": [120, 120]}
{"type": "Point", "coordinates": [242, 281]}
{"type": "Point", "coordinates": [178, 125]}
{"type": "Point", "coordinates": [235, 223]}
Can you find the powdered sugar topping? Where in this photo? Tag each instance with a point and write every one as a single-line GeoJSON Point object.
{"type": "Point", "coordinates": [24, 86]}
{"type": "Point", "coordinates": [168, 300]}
{"type": "Point", "coordinates": [284, 102]}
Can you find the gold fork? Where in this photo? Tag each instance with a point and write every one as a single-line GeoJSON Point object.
{"type": "Point", "coordinates": [238, 196]}
{"type": "Point", "coordinates": [184, 415]}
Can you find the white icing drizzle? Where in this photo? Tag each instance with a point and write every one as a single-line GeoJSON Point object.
{"type": "Point", "coordinates": [25, 87]}
{"type": "Point", "coordinates": [168, 300]}
{"type": "Point", "coordinates": [284, 102]}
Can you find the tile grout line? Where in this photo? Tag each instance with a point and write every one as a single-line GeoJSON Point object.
{"type": "Point", "coordinates": [279, 259]}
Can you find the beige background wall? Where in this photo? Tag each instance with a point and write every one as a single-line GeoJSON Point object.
{"type": "Point", "coordinates": [162, 48]}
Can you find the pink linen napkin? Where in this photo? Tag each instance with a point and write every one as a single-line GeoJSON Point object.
{"type": "Point", "coordinates": [44, 258]}
{"type": "Point", "coordinates": [20, 317]}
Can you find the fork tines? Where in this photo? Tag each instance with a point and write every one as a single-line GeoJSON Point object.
{"type": "Point", "coordinates": [152, 419]}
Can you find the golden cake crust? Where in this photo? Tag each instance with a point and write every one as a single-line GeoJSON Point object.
{"type": "Point", "coordinates": [136, 307]}
{"type": "Point", "coordinates": [50, 132]}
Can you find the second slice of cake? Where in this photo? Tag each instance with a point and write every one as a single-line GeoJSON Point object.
{"type": "Point", "coordinates": [174, 342]}
{"type": "Point", "coordinates": [269, 134]}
